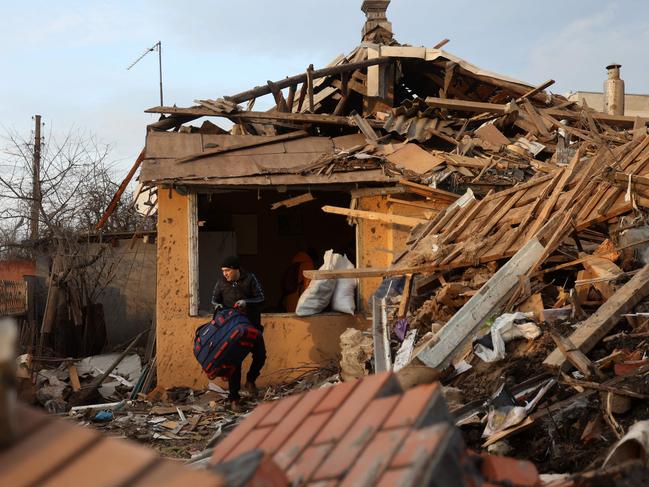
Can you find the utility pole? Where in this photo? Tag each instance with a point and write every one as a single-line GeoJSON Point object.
{"type": "Point", "coordinates": [36, 179]}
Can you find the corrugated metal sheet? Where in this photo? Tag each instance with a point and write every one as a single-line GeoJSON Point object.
{"type": "Point", "coordinates": [415, 120]}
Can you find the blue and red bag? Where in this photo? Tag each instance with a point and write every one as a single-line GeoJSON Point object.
{"type": "Point", "coordinates": [221, 345]}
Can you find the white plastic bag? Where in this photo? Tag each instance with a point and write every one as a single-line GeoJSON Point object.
{"type": "Point", "coordinates": [505, 329]}
{"type": "Point", "coordinates": [343, 299]}
{"type": "Point", "coordinates": [317, 296]}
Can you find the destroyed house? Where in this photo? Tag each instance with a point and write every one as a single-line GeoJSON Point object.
{"type": "Point", "coordinates": [388, 136]}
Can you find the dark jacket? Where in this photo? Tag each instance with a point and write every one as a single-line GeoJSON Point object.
{"type": "Point", "coordinates": [247, 288]}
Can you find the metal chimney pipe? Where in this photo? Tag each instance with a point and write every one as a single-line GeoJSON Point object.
{"type": "Point", "coordinates": [614, 91]}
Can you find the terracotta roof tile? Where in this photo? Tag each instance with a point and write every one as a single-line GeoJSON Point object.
{"type": "Point", "coordinates": [367, 389]}
{"type": "Point", "coordinates": [336, 396]}
{"type": "Point", "coordinates": [420, 406]}
{"type": "Point", "coordinates": [232, 440]}
{"type": "Point", "coordinates": [362, 433]}
{"type": "Point", "coordinates": [303, 469]}
{"type": "Point", "coordinates": [300, 439]}
{"type": "Point", "coordinates": [375, 458]}
{"type": "Point", "coordinates": [356, 438]}
{"type": "Point", "coordinates": [105, 464]}
{"type": "Point", "coordinates": [33, 457]}
{"type": "Point", "coordinates": [53, 452]}
{"type": "Point", "coordinates": [306, 405]}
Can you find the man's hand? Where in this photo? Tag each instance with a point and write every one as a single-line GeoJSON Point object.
{"type": "Point", "coordinates": [241, 304]}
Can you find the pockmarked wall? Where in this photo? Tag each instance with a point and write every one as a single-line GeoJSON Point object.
{"type": "Point", "coordinates": [293, 344]}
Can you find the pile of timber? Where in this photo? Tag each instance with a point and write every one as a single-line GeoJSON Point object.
{"type": "Point", "coordinates": [443, 122]}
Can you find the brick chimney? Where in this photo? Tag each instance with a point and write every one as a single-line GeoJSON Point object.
{"type": "Point", "coordinates": [377, 28]}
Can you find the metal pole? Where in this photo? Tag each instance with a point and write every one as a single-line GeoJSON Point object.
{"type": "Point", "coordinates": [160, 69]}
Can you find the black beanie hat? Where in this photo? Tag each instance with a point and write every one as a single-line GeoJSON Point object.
{"type": "Point", "coordinates": [231, 262]}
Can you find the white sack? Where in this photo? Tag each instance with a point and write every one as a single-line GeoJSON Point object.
{"type": "Point", "coordinates": [317, 296]}
{"type": "Point", "coordinates": [343, 299]}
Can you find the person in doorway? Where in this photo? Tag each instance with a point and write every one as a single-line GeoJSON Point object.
{"type": "Point", "coordinates": [237, 288]}
{"type": "Point", "coordinates": [293, 281]}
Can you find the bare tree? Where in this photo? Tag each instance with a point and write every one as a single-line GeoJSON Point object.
{"type": "Point", "coordinates": [77, 183]}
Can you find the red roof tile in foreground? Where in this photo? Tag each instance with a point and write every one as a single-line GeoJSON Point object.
{"type": "Point", "coordinates": [366, 433]}
{"type": "Point", "coordinates": [48, 451]}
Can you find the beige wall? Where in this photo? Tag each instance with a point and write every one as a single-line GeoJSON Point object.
{"type": "Point", "coordinates": [634, 105]}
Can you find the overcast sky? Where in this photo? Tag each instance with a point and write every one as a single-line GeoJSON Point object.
{"type": "Point", "coordinates": [67, 60]}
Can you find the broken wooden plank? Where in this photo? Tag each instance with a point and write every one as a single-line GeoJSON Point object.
{"type": "Point", "coordinates": [381, 336]}
{"type": "Point", "coordinates": [481, 107]}
{"type": "Point", "coordinates": [364, 126]}
{"type": "Point", "coordinates": [424, 190]}
{"type": "Point", "coordinates": [405, 297]}
{"type": "Point", "coordinates": [407, 221]}
{"type": "Point", "coordinates": [413, 158]}
{"type": "Point", "coordinates": [460, 329]}
{"type": "Point", "coordinates": [370, 272]}
{"type": "Point", "coordinates": [575, 356]}
{"type": "Point", "coordinates": [74, 378]}
{"type": "Point", "coordinates": [591, 331]}
{"type": "Point", "coordinates": [246, 145]}
{"type": "Point", "coordinates": [490, 133]}
{"type": "Point", "coordinates": [312, 118]}
{"type": "Point", "coordinates": [535, 91]}
{"type": "Point", "coordinates": [301, 78]}
{"type": "Point", "coordinates": [294, 201]}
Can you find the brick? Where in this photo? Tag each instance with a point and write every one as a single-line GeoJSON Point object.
{"type": "Point", "coordinates": [420, 406]}
{"type": "Point", "coordinates": [29, 420]}
{"type": "Point", "coordinates": [268, 474]}
{"type": "Point", "coordinates": [445, 465]}
{"type": "Point", "coordinates": [168, 474]}
{"type": "Point", "coordinates": [371, 387]}
{"type": "Point", "coordinates": [240, 432]}
{"type": "Point", "coordinates": [308, 462]}
{"type": "Point", "coordinates": [300, 439]}
{"type": "Point", "coordinates": [375, 458]}
{"type": "Point", "coordinates": [110, 462]}
{"type": "Point", "coordinates": [400, 476]}
{"type": "Point", "coordinates": [294, 420]}
{"type": "Point", "coordinates": [281, 410]}
{"type": "Point", "coordinates": [503, 469]}
{"type": "Point", "coordinates": [43, 451]}
{"type": "Point", "coordinates": [251, 441]}
{"type": "Point", "coordinates": [336, 396]}
{"type": "Point", "coordinates": [356, 438]}
{"type": "Point", "coordinates": [420, 442]}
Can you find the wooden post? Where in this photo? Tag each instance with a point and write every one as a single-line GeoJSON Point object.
{"type": "Point", "coordinates": [309, 82]}
{"type": "Point", "coordinates": [382, 362]}
{"type": "Point", "coordinates": [36, 179]}
{"type": "Point", "coordinates": [193, 253]}
{"type": "Point", "coordinates": [291, 98]}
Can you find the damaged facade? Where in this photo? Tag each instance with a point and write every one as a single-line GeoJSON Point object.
{"type": "Point", "coordinates": [499, 244]}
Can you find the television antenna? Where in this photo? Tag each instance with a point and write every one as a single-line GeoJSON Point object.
{"type": "Point", "coordinates": [156, 47]}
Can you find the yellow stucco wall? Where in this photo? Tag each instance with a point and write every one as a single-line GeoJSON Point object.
{"type": "Point", "coordinates": [378, 242]}
{"type": "Point", "coordinates": [292, 342]}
